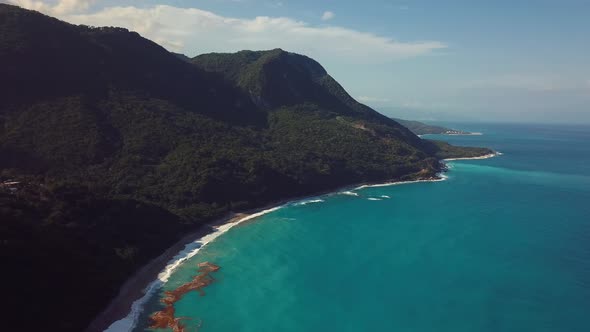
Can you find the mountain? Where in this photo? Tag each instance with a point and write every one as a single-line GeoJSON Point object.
{"type": "Point", "coordinates": [113, 148]}
{"type": "Point", "coordinates": [277, 78]}
{"type": "Point", "coordinates": [420, 128]}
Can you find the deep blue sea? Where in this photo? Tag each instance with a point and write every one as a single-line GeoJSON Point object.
{"type": "Point", "coordinates": [502, 245]}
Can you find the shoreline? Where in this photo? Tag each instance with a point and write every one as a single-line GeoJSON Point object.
{"type": "Point", "coordinates": [446, 134]}
{"type": "Point", "coordinates": [487, 156]}
{"type": "Point", "coordinates": [441, 177]}
{"type": "Point", "coordinates": [465, 134]}
{"type": "Point", "coordinates": [123, 311]}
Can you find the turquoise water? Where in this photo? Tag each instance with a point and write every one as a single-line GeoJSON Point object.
{"type": "Point", "coordinates": [502, 245]}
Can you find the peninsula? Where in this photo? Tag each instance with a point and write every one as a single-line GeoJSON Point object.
{"type": "Point", "coordinates": [420, 128]}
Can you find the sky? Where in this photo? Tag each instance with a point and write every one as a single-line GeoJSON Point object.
{"type": "Point", "coordinates": [476, 60]}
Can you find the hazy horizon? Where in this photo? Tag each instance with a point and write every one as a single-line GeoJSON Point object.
{"type": "Point", "coordinates": [458, 61]}
{"type": "Point", "coordinates": [434, 117]}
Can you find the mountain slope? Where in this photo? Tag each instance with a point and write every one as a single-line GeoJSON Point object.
{"type": "Point", "coordinates": [43, 58]}
{"type": "Point", "coordinates": [289, 82]}
{"type": "Point", "coordinates": [277, 78]}
{"type": "Point", "coordinates": [112, 148]}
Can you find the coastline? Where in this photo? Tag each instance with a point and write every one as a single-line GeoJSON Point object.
{"type": "Point", "coordinates": [123, 311]}
{"type": "Point", "coordinates": [441, 177]}
{"type": "Point", "coordinates": [446, 134]}
{"type": "Point", "coordinates": [487, 156]}
{"type": "Point", "coordinates": [465, 134]}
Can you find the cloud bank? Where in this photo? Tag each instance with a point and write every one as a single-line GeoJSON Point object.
{"type": "Point", "coordinates": [61, 7]}
{"type": "Point", "coordinates": [194, 31]}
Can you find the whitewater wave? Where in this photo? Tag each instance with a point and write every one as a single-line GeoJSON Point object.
{"type": "Point", "coordinates": [374, 199]}
{"type": "Point", "coordinates": [310, 201]}
{"type": "Point", "coordinates": [467, 134]}
{"type": "Point", "coordinates": [349, 193]}
{"type": "Point", "coordinates": [190, 250]}
{"type": "Point", "coordinates": [441, 177]}
{"type": "Point", "coordinates": [385, 196]}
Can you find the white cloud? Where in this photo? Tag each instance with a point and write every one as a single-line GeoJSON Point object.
{"type": "Point", "coordinates": [194, 31]}
{"type": "Point", "coordinates": [328, 15]}
{"type": "Point", "coordinates": [61, 7]}
{"type": "Point", "coordinates": [71, 6]}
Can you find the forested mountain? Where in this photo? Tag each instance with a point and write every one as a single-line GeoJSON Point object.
{"type": "Point", "coordinates": [112, 148]}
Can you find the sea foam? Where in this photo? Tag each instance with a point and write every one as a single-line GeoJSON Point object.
{"type": "Point", "coordinates": [441, 177]}
{"type": "Point", "coordinates": [310, 201]}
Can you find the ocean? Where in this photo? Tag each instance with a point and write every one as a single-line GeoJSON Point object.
{"type": "Point", "coordinates": [503, 244]}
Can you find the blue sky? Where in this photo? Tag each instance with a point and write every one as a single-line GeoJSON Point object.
{"type": "Point", "coordinates": [439, 60]}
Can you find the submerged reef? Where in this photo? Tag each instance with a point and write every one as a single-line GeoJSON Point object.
{"type": "Point", "coordinates": [166, 318]}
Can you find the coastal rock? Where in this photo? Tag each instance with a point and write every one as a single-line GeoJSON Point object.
{"type": "Point", "coordinates": [166, 318]}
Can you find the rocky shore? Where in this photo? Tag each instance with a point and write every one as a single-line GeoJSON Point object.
{"type": "Point", "coordinates": [166, 318]}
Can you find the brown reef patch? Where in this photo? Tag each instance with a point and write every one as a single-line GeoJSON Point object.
{"type": "Point", "coordinates": [166, 318]}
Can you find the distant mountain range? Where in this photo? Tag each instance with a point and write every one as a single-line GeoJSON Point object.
{"type": "Point", "coordinates": [420, 128]}
{"type": "Point", "coordinates": [113, 148]}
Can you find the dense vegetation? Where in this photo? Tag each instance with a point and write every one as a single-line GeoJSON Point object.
{"type": "Point", "coordinates": [446, 150]}
{"type": "Point", "coordinates": [421, 128]}
{"type": "Point", "coordinates": [111, 148]}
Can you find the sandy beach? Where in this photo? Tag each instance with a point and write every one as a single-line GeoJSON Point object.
{"type": "Point", "coordinates": [122, 312]}
{"type": "Point", "coordinates": [135, 286]}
